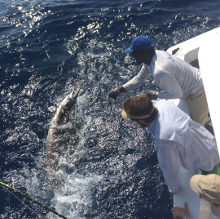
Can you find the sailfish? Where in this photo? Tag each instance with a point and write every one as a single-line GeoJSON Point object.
{"type": "Point", "coordinates": [62, 135]}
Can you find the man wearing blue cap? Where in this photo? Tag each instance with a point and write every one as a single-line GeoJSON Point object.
{"type": "Point", "coordinates": [177, 78]}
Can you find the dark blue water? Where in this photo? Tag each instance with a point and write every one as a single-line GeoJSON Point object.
{"type": "Point", "coordinates": [47, 48]}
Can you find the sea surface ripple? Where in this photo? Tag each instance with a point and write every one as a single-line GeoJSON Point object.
{"type": "Point", "coordinates": [46, 49]}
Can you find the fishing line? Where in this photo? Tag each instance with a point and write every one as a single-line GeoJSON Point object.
{"type": "Point", "coordinates": [21, 201]}
{"type": "Point", "coordinates": [25, 195]}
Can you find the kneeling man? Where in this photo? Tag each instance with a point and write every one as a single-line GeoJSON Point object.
{"type": "Point", "coordinates": [179, 141]}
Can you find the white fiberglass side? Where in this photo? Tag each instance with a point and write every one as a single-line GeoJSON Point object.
{"type": "Point", "coordinates": [209, 61]}
{"type": "Point", "coordinates": [206, 58]}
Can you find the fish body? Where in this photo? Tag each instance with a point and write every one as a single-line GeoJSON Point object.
{"type": "Point", "coordinates": [62, 136]}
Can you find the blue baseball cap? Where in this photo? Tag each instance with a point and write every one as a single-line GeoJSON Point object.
{"type": "Point", "coordinates": [139, 43]}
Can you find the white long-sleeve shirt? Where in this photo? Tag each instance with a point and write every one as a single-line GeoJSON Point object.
{"type": "Point", "coordinates": [179, 141]}
{"type": "Point", "coordinates": [177, 78]}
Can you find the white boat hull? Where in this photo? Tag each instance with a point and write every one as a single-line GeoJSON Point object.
{"type": "Point", "coordinates": [201, 52]}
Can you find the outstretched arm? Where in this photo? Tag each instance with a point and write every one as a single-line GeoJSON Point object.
{"type": "Point", "coordinates": [135, 82]}
{"type": "Point", "coordinates": [138, 80]}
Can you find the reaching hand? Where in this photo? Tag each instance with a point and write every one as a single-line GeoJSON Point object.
{"type": "Point", "coordinates": [150, 93]}
{"type": "Point", "coordinates": [114, 93]}
{"type": "Point", "coordinates": [180, 213]}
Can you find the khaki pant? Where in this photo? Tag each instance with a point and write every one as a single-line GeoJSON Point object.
{"type": "Point", "coordinates": [198, 107]}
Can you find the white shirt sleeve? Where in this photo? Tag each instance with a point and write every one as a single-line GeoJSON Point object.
{"type": "Point", "coordinates": [168, 82]}
{"type": "Point", "coordinates": [138, 80]}
{"type": "Point", "coordinates": [170, 164]}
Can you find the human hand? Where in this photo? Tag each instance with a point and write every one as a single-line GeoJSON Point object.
{"type": "Point", "coordinates": [114, 93]}
{"type": "Point", "coordinates": [180, 213]}
{"type": "Point", "coordinates": [150, 93]}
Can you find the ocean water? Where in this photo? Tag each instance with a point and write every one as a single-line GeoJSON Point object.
{"type": "Point", "coordinates": [49, 47]}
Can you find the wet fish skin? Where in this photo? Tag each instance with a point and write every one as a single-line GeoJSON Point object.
{"type": "Point", "coordinates": [62, 136]}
